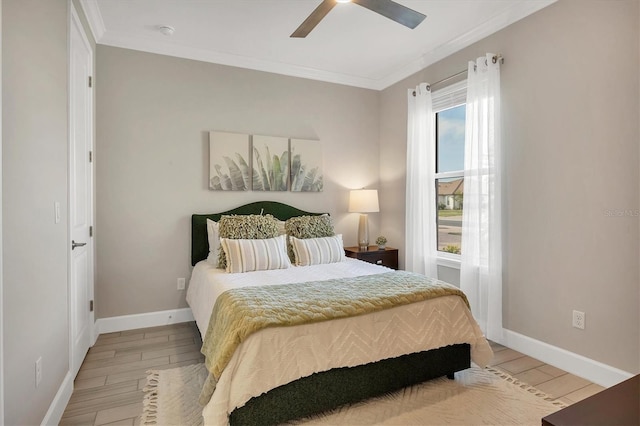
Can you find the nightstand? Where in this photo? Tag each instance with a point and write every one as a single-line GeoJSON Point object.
{"type": "Point", "coordinates": [386, 257]}
{"type": "Point", "coordinates": [617, 405]}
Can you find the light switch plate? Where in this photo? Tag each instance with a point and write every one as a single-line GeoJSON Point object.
{"type": "Point", "coordinates": [56, 209]}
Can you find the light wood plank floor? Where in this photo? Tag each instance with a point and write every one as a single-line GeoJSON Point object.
{"type": "Point", "coordinates": [108, 389]}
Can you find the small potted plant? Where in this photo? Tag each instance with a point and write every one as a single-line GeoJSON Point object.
{"type": "Point", "coordinates": [381, 241]}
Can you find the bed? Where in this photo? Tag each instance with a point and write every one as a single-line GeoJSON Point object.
{"type": "Point", "coordinates": [282, 373]}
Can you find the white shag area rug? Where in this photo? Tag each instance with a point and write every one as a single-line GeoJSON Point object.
{"type": "Point", "coordinates": [476, 397]}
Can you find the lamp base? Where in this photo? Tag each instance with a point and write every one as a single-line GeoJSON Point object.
{"type": "Point", "coordinates": [363, 233]}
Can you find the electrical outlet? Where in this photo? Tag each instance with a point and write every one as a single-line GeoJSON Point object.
{"type": "Point", "coordinates": [578, 319]}
{"type": "Point", "coordinates": [181, 283]}
{"type": "Point", "coordinates": [38, 371]}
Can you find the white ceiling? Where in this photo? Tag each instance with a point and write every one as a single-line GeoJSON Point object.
{"type": "Point", "coordinates": [351, 45]}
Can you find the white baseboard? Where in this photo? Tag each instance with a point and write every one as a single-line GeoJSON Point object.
{"type": "Point", "coordinates": [594, 371]}
{"type": "Point", "coordinates": [59, 403]}
{"type": "Point", "coordinates": [149, 319]}
{"type": "Point", "coordinates": [110, 325]}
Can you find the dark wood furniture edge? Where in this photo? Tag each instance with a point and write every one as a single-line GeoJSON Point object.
{"type": "Point", "coordinates": [375, 249]}
{"type": "Point", "coordinates": [617, 405]}
{"type": "Point", "coordinates": [388, 253]}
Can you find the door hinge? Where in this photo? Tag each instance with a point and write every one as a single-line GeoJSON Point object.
{"type": "Point", "coordinates": [90, 305]}
{"type": "Point", "coordinates": [91, 156]}
{"type": "Point", "coordinates": [91, 231]}
{"type": "Point", "coordinates": [90, 81]}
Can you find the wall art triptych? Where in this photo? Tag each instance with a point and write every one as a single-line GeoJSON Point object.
{"type": "Point", "coordinates": [239, 162]}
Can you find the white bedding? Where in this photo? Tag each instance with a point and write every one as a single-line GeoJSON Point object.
{"type": "Point", "coordinates": [276, 356]}
{"type": "Point", "coordinates": [208, 282]}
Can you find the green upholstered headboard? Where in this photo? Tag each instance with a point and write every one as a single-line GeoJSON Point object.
{"type": "Point", "coordinates": [199, 240]}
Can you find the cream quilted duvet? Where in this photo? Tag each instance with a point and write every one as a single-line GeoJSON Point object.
{"type": "Point", "coordinates": [274, 356]}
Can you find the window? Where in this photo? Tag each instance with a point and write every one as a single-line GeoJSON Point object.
{"type": "Point", "coordinates": [450, 111]}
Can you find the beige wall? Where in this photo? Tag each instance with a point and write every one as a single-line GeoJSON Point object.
{"type": "Point", "coordinates": [153, 114]}
{"type": "Point", "coordinates": [570, 155]}
{"type": "Point", "coordinates": [34, 108]}
{"type": "Point", "coordinates": [1, 273]}
{"type": "Point", "coordinates": [570, 110]}
{"type": "Point", "coordinates": [153, 117]}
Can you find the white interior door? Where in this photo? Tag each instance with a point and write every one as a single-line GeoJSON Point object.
{"type": "Point", "coordinates": [80, 193]}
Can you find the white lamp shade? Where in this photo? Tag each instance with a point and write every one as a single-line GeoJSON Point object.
{"type": "Point", "coordinates": [364, 201]}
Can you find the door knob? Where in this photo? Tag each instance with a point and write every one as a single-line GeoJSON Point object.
{"type": "Point", "coordinates": [74, 244]}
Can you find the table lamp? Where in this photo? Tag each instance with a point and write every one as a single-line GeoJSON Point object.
{"type": "Point", "coordinates": [363, 201]}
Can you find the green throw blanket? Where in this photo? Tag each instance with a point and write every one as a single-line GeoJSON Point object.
{"type": "Point", "coordinates": [240, 312]}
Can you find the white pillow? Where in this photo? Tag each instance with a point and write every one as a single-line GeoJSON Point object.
{"type": "Point", "coordinates": [255, 255]}
{"type": "Point", "coordinates": [316, 251]}
{"type": "Point", "coordinates": [214, 242]}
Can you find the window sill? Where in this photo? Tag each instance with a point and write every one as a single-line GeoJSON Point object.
{"type": "Point", "coordinates": [448, 260]}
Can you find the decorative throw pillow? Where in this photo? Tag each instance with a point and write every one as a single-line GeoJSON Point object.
{"type": "Point", "coordinates": [214, 242]}
{"type": "Point", "coordinates": [247, 227]}
{"type": "Point", "coordinates": [255, 255]}
{"type": "Point", "coordinates": [316, 251]}
{"type": "Point", "coordinates": [308, 227]}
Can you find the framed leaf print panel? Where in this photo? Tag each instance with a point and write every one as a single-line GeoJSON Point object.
{"type": "Point", "coordinates": [229, 161]}
{"type": "Point", "coordinates": [306, 165]}
{"type": "Point", "coordinates": [270, 163]}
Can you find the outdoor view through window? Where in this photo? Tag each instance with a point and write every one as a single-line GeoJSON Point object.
{"type": "Point", "coordinates": [450, 128]}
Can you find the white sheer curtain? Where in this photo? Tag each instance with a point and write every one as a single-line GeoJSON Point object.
{"type": "Point", "coordinates": [420, 250]}
{"type": "Point", "coordinates": [481, 267]}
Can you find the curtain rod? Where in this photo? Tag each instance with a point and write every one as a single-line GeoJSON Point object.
{"type": "Point", "coordinates": [495, 59]}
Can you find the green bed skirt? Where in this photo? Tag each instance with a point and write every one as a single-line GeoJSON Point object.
{"type": "Point", "coordinates": [331, 389]}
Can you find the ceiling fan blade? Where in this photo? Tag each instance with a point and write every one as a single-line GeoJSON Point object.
{"type": "Point", "coordinates": [312, 20]}
{"type": "Point", "coordinates": [394, 11]}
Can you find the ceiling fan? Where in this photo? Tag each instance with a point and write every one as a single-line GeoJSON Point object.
{"type": "Point", "coordinates": [390, 9]}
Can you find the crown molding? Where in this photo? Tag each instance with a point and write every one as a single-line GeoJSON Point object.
{"type": "Point", "coordinates": [516, 12]}
{"type": "Point", "coordinates": [180, 51]}
{"type": "Point", "coordinates": [94, 17]}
